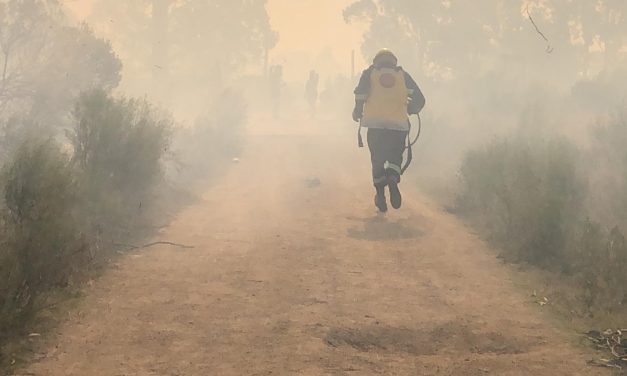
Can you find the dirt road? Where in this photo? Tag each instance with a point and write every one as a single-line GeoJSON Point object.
{"type": "Point", "coordinates": [293, 273]}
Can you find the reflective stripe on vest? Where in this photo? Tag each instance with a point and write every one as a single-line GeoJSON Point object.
{"type": "Point", "coordinates": [386, 105]}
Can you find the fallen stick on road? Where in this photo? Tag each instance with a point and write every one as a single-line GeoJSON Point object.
{"type": "Point", "coordinates": [131, 247]}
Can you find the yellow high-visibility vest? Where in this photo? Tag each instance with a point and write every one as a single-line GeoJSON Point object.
{"type": "Point", "coordinates": [386, 103]}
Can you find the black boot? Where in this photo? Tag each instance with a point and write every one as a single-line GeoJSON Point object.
{"type": "Point", "coordinates": [395, 194]}
{"type": "Point", "coordinates": [379, 199]}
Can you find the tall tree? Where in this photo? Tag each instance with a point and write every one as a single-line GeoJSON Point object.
{"type": "Point", "coordinates": [190, 47]}
{"type": "Point", "coordinates": [45, 62]}
{"type": "Point", "coordinates": [455, 39]}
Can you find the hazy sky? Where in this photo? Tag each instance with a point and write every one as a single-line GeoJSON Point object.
{"type": "Point", "coordinates": [309, 27]}
{"type": "Point", "coordinates": [310, 31]}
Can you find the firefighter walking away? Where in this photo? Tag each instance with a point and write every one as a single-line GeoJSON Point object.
{"type": "Point", "coordinates": [384, 98]}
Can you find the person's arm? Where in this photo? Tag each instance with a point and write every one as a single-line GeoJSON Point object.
{"type": "Point", "coordinates": [361, 94]}
{"type": "Point", "coordinates": [416, 98]}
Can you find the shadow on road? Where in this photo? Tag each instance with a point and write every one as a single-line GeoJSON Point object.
{"type": "Point", "coordinates": [380, 228]}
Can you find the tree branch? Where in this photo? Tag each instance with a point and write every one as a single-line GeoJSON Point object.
{"type": "Point", "coordinates": [130, 247]}
{"type": "Point", "coordinates": [549, 49]}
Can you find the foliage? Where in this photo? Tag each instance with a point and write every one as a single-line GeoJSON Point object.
{"type": "Point", "coordinates": [608, 170]}
{"type": "Point", "coordinates": [426, 35]}
{"type": "Point", "coordinates": [526, 193]}
{"type": "Point", "coordinates": [57, 208]}
{"type": "Point", "coordinates": [16, 130]}
{"type": "Point", "coordinates": [44, 63]}
{"type": "Point", "coordinates": [599, 258]}
{"type": "Point", "coordinates": [119, 146]}
{"type": "Point", "coordinates": [532, 199]}
{"type": "Point", "coordinates": [243, 37]}
{"type": "Point", "coordinates": [184, 52]}
{"type": "Point", "coordinates": [40, 225]}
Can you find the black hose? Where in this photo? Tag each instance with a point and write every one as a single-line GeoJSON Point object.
{"type": "Point", "coordinates": [410, 144]}
{"type": "Point", "coordinates": [417, 134]}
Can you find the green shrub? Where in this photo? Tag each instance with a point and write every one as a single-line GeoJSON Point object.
{"type": "Point", "coordinates": [531, 198]}
{"type": "Point", "coordinates": [39, 226]}
{"type": "Point", "coordinates": [17, 130]}
{"type": "Point", "coordinates": [526, 195]}
{"type": "Point", "coordinates": [607, 161]}
{"type": "Point", "coordinates": [56, 208]}
{"type": "Point", "coordinates": [599, 258]}
{"type": "Point", "coordinates": [119, 147]}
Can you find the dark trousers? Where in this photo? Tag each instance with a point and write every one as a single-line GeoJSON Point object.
{"type": "Point", "coordinates": [386, 153]}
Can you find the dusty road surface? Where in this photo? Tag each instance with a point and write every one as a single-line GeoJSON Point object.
{"type": "Point", "coordinates": [293, 273]}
